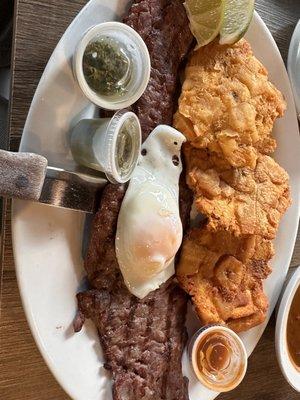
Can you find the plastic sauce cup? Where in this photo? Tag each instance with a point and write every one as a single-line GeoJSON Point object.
{"type": "Point", "coordinates": [111, 145]}
{"type": "Point", "coordinates": [218, 357]}
{"type": "Point", "coordinates": [140, 64]}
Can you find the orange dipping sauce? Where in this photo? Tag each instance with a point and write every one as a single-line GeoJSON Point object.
{"type": "Point", "coordinates": [213, 353]}
{"type": "Point", "coordinates": [218, 358]}
{"type": "Point", "coordinates": [293, 330]}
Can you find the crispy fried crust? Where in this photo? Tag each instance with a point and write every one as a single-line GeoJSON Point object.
{"type": "Point", "coordinates": [227, 110]}
{"type": "Point", "coordinates": [223, 274]}
{"type": "Point", "coordinates": [228, 105]}
{"type": "Point", "coordinates": [240, 200]}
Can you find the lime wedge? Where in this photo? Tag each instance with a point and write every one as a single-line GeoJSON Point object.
{"type": "Point", "coordinates": [206, 18]}
{"type": "Point", "coordinates": [237, 17]}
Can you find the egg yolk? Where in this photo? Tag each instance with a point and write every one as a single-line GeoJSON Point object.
{"type": "Point", "coordinates": [154, 249]}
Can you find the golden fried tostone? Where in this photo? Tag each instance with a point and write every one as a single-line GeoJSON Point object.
{"type": "Point", "coordinates": [240, 200]}
{"type": "Point", "coordinates": [228, 105]}
{"type": "Point", "coordinates": [223, 275]}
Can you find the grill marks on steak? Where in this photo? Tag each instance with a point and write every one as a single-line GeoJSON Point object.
{"type": "Point", "coordinates": [143, 339]}
{"type": "Point", "coordinates": [163, 25]}
{"type": "Point", "coordinates": [101, 261]}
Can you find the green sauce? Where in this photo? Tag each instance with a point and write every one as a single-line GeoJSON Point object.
{"type": "Point", "coordinates": [106, 66]}
{"type": "Point", "coordinates": [125, 150]}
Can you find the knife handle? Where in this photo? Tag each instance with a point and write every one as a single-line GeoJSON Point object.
{"type": "Point", "coordinates": [22, 175]}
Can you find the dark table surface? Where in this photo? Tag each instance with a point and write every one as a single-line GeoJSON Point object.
{"type": "Point", "coordinates": [38, 25]}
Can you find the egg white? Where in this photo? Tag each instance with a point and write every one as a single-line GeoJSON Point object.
{"type": "Point", "coordinates": [149, 231]}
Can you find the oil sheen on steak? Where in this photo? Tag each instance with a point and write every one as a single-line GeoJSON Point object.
{"type": "Point", "coordinates": [142, 340]}
{"type": "Point", "coordinates": [163, 25]}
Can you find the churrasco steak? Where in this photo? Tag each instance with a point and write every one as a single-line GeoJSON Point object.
{"type": "Point", "coordinates": [143, 339]}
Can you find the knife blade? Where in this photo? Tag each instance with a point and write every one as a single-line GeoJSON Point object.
{"type": "Point", "coordinates": [27, 176]}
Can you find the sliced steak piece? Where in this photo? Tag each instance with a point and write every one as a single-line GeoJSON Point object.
{"type": "Point", "coordinates": [142, 340]}
{"type": "Point", "coordinates": [164, 26]}
{"type": "Point", "coordinates": [101, 262]}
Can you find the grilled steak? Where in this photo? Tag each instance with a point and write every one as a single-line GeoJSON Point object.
{"type": "Point", "coordinates": [101, 261]}
{"type": "Point", "coordinates": [142, 340]}
{"type": "Point", "coordinates": [163, 25]}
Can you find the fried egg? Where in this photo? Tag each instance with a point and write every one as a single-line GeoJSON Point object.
{"type": "Point", "coordinates": [149, 231]}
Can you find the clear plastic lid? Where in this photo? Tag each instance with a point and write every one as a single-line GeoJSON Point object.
{"type": "Point", "coordinates": [131, 44]}
{"type": "Point", "coordinates": [218, 358]}
{"type": "Point", "coordinates": [122, 146]}
{"type": "Point", "coordinates": [111, 145]}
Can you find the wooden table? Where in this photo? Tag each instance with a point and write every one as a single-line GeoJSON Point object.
{"type": "Point", "coordinates": [23, 374]}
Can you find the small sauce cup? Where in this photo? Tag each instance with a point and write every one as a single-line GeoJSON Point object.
{"type": "Point", "coordinates": [111, 145]}
{"type": "Point", "coordinates": [218, 358]}
{"type": "Point", "coordinates": [129, 42]}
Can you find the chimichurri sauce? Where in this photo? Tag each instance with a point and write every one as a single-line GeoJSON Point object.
{"type": "Point", "coordinates": [106, 66]}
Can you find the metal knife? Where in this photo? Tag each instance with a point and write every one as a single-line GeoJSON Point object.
{"type": "Point", "coordinates": [27, 176]}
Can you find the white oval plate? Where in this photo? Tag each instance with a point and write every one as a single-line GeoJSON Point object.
{"type": "Point", "coordinates": [47, 241]}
